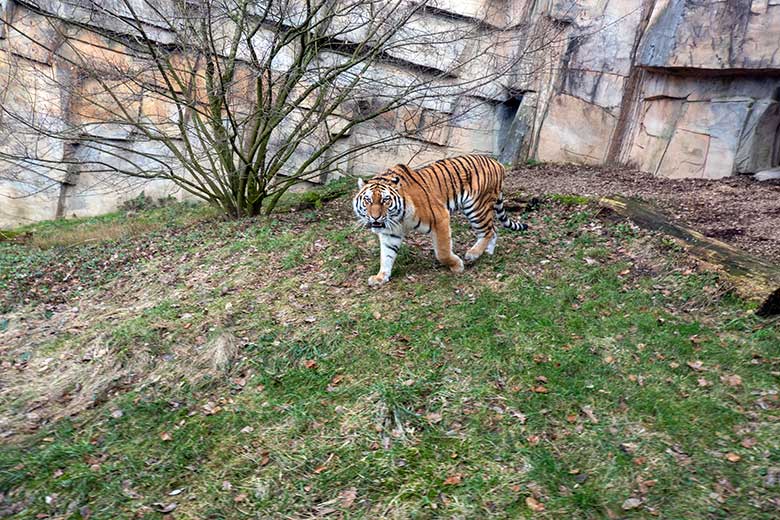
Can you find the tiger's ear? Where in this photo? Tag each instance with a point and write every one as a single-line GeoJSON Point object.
{"type": "Point", "coordinates": [361, 183]}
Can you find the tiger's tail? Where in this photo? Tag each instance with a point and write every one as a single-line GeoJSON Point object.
{"type": "Point", "coordinates": [514, 225]}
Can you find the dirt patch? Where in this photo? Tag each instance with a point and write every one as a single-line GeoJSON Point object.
{"type": "Point", "coordinates": [737, 210]}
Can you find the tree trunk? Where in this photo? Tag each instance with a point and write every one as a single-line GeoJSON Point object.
{"type": "Point", "coordinates": [753, 278]}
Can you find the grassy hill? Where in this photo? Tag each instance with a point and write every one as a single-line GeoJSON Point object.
{"type": "Point", "coordinates": [172, 364]}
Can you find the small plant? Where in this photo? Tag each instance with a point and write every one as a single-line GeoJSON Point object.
{"type": "Point", "coordinates": [315, 198]}
{"type": "Point", "coordinates": [144, 202]}
{"type": "Point", "coordinates": [531, 163]}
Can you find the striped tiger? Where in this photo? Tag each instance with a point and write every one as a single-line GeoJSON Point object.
{"type": "Point", "coordinates": [401, 199]}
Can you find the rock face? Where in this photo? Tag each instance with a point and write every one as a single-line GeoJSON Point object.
{"type": "Point", "coordinates": [676, 88]}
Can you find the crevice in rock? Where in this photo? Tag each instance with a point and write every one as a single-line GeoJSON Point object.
{"type": "Point", "coordinates": [630, 88]}
{"type": "Point", "coordinates": [699, 72]}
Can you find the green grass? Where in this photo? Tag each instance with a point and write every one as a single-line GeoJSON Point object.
{"type": "Point", "coordinates": [570, 200]}
{"type": "Point", "coordinates": [557, 369]}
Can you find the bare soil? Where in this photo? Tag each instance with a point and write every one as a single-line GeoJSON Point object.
{"type": "Point", "coordinates": [737, 210]}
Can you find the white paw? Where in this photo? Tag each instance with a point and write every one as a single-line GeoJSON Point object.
{"type": "Point", "coordinates": [377, 280]}
{"type": "Point", "coordinates": [457, 267]}
{"type": "Point", "coordinates": [470, 257]}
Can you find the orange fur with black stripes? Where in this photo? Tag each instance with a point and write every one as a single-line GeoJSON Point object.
{"type": "Point", "coordinates": [401, 200]}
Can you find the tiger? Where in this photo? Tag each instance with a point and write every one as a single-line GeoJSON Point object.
{"type": "Point", "coordinates": [401, 200]}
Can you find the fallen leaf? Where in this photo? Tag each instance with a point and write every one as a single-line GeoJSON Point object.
{"type": "Point", "coordinates": [588, 411]}
{"type": "Point", "coordinates": [128, 491]}
{"type": "Point", "coordinates": [164, 508]}
{"type": "Point", "coordinates": [534, 505]}
{"type": "Point", "coordinates": [347, 497]}
{"type": "Point", "coordinates": [703, 382]}
{"type": "Point", "coordinates": [265, 458]}
{"type": "Point", "coordinates": [748, 442]}
{"type": "Point", "coordinates": [210, 408]}
{"type": "Point", "coordinates": [733, 457]}
{"type": "Point", "coordinates": [533, 440]}
{"type": "Point", "coordinates": [226, 486]}
{"type": "Point", "coordinates": [377, 315]}
{"type": "Point", "coordinates": [645, 485]}
{"type": "Point", "coordinates": [572, 418]}
{"type": "Point", "coordinates": [680, 456]}
{"type": "Point", "coordinates": [541, 379]}
{"type": "Point", "coordinates": [631, 503]}
{"type": "Point", "coordinates": [310, 363]}
{"type": "Point", "coordinates": [609, 360]}
{"type": "Point", "coordinates": [698, 366]}
{"type": "Point", "coordinates": [240, 497]}
{"type": "Point", "coordinates": [165, 436]}
{"type": "Point", "coordinates": [247, 429]}
{"type": "Point", "coordinates": [337, 379]}
{"type": "Point", "coordinates": [519, 416]}
{"type": "Point", "coordinates": [175, 492]}
{"type": "Point", "coordinates": [732, 380]}
{"type": "Point", "coordinates": [433, 418]}
{"type": "Point", "coordinates": [320, 469]}
{"type": "Point", "coordinates": [453, 480]}
{"type": "Point", "coordinates": [629, 447]}
{"type": "Point", "coordinates": [540, 389]}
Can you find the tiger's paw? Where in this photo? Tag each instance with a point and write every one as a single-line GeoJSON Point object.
{"type": "Point", "coordinates": [457, 266]}
{"type": "Point", "coordinates": [377, 280]}
{"type": "Point", "coordinates": [471, 257]}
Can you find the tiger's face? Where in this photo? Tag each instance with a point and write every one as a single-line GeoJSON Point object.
{"type": "Point", "coordinates": [378, 204]}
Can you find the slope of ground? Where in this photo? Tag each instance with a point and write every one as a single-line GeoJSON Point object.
{"type": "Point", "coordinates": [736, 210]}
{"type": "Point", "coordinates": [197, 368]}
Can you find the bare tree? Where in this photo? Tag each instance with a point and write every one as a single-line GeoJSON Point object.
{"type": "Point", "coordinates": [235, 101]}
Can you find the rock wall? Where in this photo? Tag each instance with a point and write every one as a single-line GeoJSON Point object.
{"type": "Point", "coordinates": [677, 88]}
{"type": "Point", "coordinates": [42, 177]}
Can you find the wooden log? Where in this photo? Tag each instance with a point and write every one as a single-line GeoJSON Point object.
{"type": "Point", "coordinates": [753, 278]}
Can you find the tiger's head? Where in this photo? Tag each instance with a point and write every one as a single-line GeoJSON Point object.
{"type": "Point", "coordinates": [379, 204]}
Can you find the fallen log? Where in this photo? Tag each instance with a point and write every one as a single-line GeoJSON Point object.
{"type": "Point", "coordinates": [753, 278]}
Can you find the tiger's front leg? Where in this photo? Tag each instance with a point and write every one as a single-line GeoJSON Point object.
{"type": "Point", "coordinates": [389, 244]}
{"type": "Point", "coordinates": [442, 244]}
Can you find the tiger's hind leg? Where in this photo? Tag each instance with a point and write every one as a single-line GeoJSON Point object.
{"type": "Point", "coordinates": [482, 224]}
